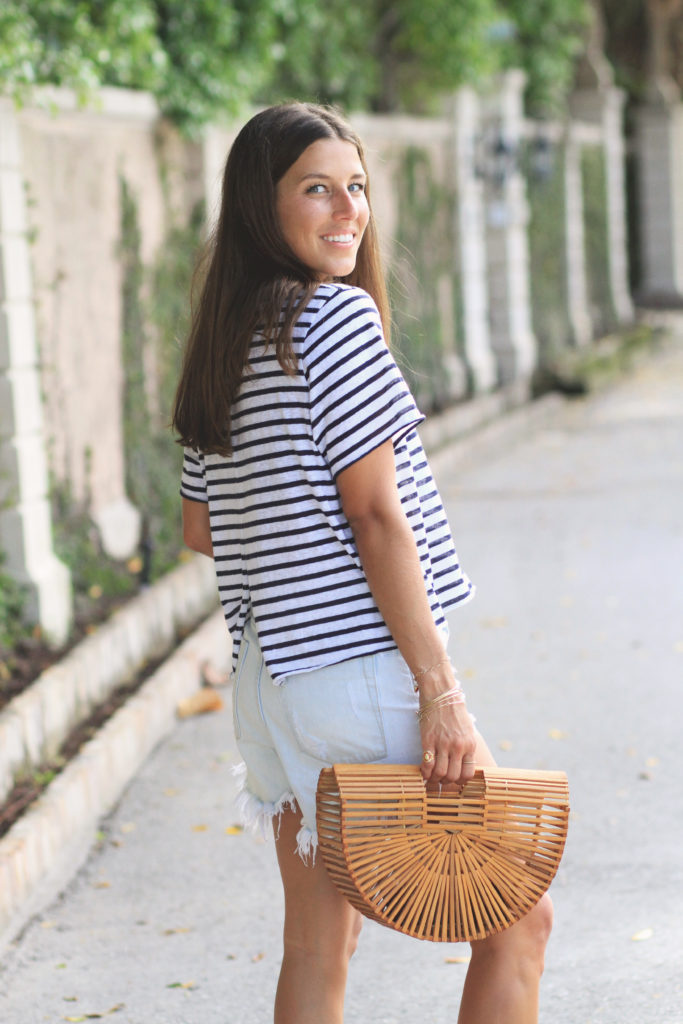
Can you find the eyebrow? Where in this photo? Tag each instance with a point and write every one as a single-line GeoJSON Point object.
{"type": "Point", "coordinates": [327, 177]}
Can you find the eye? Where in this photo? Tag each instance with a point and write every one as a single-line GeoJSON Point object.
{"type": "Point", "coordinates": [315, 189]}
{"type": "Point", "coordinates": [357, 186]}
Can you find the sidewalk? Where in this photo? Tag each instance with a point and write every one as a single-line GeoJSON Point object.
{"type": "Point", "coordinates": [572, 654]}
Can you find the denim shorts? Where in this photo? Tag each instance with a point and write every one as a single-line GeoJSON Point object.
{"type": "Point", "coordinates": [357, 711]}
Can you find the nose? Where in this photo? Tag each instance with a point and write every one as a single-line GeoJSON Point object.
{"type": "Point", "coordinates": [344, 206]}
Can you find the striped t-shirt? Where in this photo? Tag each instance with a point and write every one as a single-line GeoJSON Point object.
{"type": "Point", "coordinates": [283, 549]}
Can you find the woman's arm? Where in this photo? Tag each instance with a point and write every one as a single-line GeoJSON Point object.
{"type": "Point", "coordinates": [196, 527]}
{"type": "Point", "coordinates": [390, 559]}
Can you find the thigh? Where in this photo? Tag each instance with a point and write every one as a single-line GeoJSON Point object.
{"type": "Point", "coordinates": [317, 916]}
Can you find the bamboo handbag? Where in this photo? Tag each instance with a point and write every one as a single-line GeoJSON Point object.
{"type": "Point", "coordinates": [449, 866]}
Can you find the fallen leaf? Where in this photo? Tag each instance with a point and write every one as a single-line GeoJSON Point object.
{"type": "Point", "coordinates": [48, 924]}
{"type": "Point", "coordinates": [497, 622]}
{"type": "Point", "coordinates": [457, 959]}
{"type": "Point", "coordinates": [128, 826]}
{"type": "Point", "coordinates": [200, 828]}
{"type": "Point", "coordinates": [234, 830]}
{"type": "Point", "coordinates": [183, 984]}
{"type": "Point", "coordinates": [231, 956]}
{"type": "Point", "coordinates": [557, 734]}
{"type": "Point", "coordinates": [645, 776]}
{"type": "Point", "coordinates": [176, 931]}
{"type": "Point", "coordinates": [205, 699]}
{"type": "Point", "coordinates": [652, 762]}
{"type": "Point", "coordinates": [134, 564]}
{"type": "Point", "coordinates": [60, 967]}
{"type": "Point", "coordinates": [95, 591]}
{"type": "Point", "coordinates": [103, 885]}
{"type": "Point", "coordinates": [69, 999]}
{"type": "Point", "coordinates": [505, 744]}
{"type": "Point", "coordinates": [170, 791]}
{"type": "Point", "coordinates": [256, 957]}
{"type": "Point", "coordinates": [643, 935]}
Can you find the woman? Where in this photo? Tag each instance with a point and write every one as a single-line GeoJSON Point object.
{"type": "Point", "coordinates": [305, 480]}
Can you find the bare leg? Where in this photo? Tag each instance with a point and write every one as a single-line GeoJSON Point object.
{"type": "Point", "coordinates": [320, 936]}
{"type": "Point", "coordinates": [505, 971]}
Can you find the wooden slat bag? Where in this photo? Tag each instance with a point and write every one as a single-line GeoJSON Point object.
{"type": "Point", "coordinates": [449, 867]}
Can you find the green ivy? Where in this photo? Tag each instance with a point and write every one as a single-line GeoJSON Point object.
{"type": "Point", "coordinates": [155, 311]}
{"type": "Point", "coordinates": [548, 253]}
{"type": "Point", "coordinates": [13, 596]}
{"type": "Point", "coordinates": [424, 255]}
{"type": "Point", "coordinates": [596, 239]}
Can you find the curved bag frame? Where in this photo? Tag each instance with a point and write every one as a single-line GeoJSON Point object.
{"type": "Point", "coordinates": [443, 866]}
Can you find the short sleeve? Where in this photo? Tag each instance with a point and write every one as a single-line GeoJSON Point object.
{"type": "Point", "coordinates": [359, 398]}
{"type": "Point", "coordinates": [193, 482]}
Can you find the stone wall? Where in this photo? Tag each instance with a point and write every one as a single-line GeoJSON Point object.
{"type": "Point", "coordinates": [450, 198]}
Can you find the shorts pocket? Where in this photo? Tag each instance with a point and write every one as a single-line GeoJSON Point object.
{"type": "Point", "coordinates": [241, 661]}
{"type": "Point", "coordinates": [334, 713]}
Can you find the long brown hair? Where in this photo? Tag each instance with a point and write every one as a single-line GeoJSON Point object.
{"type": "Point", "coordinates": [250, 275]}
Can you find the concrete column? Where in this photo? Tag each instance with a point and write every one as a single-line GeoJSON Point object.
{"type": "Point", "coordinates": [25, 523]}
{"type": "Point", "coordinates": [470, 236]}
{"type": "Point", "coordinates": [512, 335]}
{"type": "Point", "coordinates": [659, 142]}
{"type": "Point", "coordinates": [577, 286]}
{"type": "Point", "coordinates": [605, 107]}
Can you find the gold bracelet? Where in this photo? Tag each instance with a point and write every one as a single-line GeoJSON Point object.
{"type": "Point", "coordinates": [453, 696]}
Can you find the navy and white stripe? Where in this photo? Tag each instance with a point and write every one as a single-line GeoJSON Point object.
{"type": "Point", "coordinates": [282, 545]}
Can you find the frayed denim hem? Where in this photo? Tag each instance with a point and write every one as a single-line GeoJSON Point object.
{"type": "Point", "coordinates": [257, 815]}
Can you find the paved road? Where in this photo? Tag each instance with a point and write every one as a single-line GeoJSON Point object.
{"type": "Point", "coordinates": [573, 656]}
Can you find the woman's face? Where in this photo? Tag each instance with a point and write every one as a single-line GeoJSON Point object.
{"type": "Point", "coordinates": [322, 207]}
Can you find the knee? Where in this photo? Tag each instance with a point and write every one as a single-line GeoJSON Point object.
{"type": "Point", "coordinates": [524, 943]}
{"type": "Point", "coordinates": [354, 935]}
{"type": "Point", "coordinates": [534, 933]}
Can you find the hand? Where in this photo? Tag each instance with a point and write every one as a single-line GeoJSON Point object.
{"type": "Point", "coordinates": [448, 733]}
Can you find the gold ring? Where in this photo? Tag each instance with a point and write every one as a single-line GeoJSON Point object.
{"type": "Point", "coordinates": [469, 762]}
{"type": "Point", "coordinates": [428, 756]}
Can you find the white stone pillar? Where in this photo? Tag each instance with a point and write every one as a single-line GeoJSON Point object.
{"type": "Point", "coordinates": [605, 107]}
{"type": "Point", "coordinates": [659, 142]}
{"type": "Point", "coordinates": [512, 335]}
{"type": "Point", "coordinates": [25, 523]}
{"type": "Point", "coordinates": [578, 303]}
{"type": "Point", "coordinates": [470, 236]}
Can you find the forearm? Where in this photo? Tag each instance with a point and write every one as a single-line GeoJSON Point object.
{"type": "Point", "coordinates": [389, 556]}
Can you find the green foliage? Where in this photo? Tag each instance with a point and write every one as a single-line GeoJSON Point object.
{"type": "Point", "coordinates": [80, 44]}
{"type": "Point", "coordinates": [596, 239]}
{"type": "Point", "coordinates": [204, 60]}
{"type": "Point", "coordinates": [547, 254]}
{"type": "Point", "coordinates": [426, 47]}
{"type": "Point", "coordinates": [423, 260]}
{"type": "Point", "coordinates": [96, 579]}
{"type": "Point", "coordinates": [219, 54]}
{"type": "Point", "coordinates": [546, 38]}
{"type": "Point", "coordinates": [320, 53]}
{"type": "Point", "coordinates": [155, 308]}
{"type": "Point", "coordinates": [12, 602]}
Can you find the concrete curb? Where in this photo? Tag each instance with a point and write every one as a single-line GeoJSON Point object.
{"type": "Point", "coordinates": [47, 846]}
{"type": "Point", "coordinates": [34, 724]}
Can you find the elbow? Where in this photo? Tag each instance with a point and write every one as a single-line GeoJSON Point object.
{"type": "Point", "coordinates": [197, 541]}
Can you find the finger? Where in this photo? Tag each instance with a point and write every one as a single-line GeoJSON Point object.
{"type": "Point", "coordinates": [467, 768]}
{"type": "Point", "coordinates": [441, 763]}
{"type": "Point", "coordinates": [427, 765]}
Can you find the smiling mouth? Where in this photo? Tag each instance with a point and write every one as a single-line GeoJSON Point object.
{"type": "Point", "coordinates": [338, 238]}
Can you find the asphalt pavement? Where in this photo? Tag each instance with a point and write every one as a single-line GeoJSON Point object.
{"type": "Point", "coordinates": [572, 655]}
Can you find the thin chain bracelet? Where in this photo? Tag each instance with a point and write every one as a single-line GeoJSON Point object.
{"type": "Point", "coordinates": [425, 671]}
